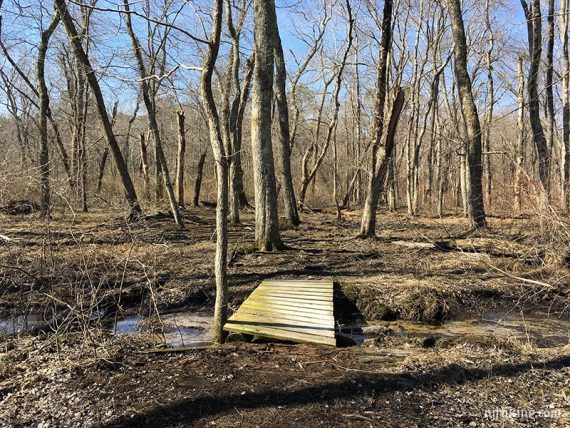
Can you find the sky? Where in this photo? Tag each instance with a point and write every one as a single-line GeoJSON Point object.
{"type": "Point", "coordinates": [111, 50]}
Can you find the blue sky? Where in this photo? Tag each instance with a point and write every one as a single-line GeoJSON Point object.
{"type": "Point", "coordinates": [111, 46]}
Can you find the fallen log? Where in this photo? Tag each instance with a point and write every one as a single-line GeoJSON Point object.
{"type": "Point", "coordinates": [493, 247]}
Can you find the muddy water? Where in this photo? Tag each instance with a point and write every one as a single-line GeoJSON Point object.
{"type": "Point", "coordinates": [181, 329]}
{"type": "Point", "coordinates": [537, 329]}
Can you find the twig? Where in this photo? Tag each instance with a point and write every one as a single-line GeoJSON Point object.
{"type": "Point", "coordinates": [519, 278]}
{"type": "Point", "coordinates": [358, 370]}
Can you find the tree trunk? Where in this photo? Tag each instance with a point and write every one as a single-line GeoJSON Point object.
{"type": "Point", "coordinates": [549, 88]}
{"type": "Point", "coordinates": [232, 112]}
{"type": "Point", "coordinates": [267, 237]}
{"type": "Point", "coordinates": [490, 108]}
{"type": "Point", "coordinates": [144, 166]}
{"type": "Point", "coordinates": [368, 224]}
{"type": "Point", "coordinates": [565, 196]}
{"type": "Point", "coordinates": [384, 157]}
{"type": "Point", "coordinates": [102, 164]}
{"type": "Point", "coordinates": [471, 117]}
{"type": "Point", "coordinates": [198, 184]}
{"type": "Point", "coordinates": [534, 26]}
{"type": "Point", "coordinates": [520, 150]}
{"type": "Point", "coordinates": [284, 145]}
{"type": "Point", "coordinates": [153, 124]}
{"type": "Point", "coordinates": [236, 170]}
{"type": "Point", "coordinates": [391, 187]}
{"type": "Point", "coordinates": [43, 113]}
{"type": "Point", "coordinates": [180, 158]}
{"type": "Point", "coordinates": [210, 110]}
{"type": "Point", "coordinates": [105, 154]}
{"type": "Point", "coordinates": [130, 193]}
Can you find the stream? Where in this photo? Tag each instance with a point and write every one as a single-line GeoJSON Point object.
{"type": "Point", "coordinates": [193, 329]}
{"type": "Point", "coordinates": [177, 329]}
{"type": "Point", "coordinates": [539, 329]}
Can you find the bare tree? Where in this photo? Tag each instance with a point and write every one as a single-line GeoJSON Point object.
{"type": "Point", "coordinates": [520, 149]}
{"type": "Point", "coordinates": [151, 112]}
{"type": "Point", "coordinates": [234, 100]}
{"type": "Point", "coordinates": [565, 155]}
{"type": "Point", "coordinates": [144, 166]}
{"type": "Point", "coordinates": [476, 208]}
{"type": "Point", "coordinates": [267, 237]}
{"type": "Point", "coordinates": [284, 143]}
{"type": "Point", "coordinates": [534, 27]}
{"type": "Point", "coordinates": [130, 193]}
{"type": "Point", "coordinates": [9, 88]}
{"type": "Point", "coordinates": [549, 89]}
{"type": "Point", "coordinates": [216, 140]}
{"type": "Point", "coordinates": [180, 157]}
{"type": "Point", "coordinates": [490, 106]}
{"type": "Point", "coordinates": [43, 114]}
{"type": "Point", "coordinates": [198, 183]}
{"type": "Point", "coordinates": [368, 223]}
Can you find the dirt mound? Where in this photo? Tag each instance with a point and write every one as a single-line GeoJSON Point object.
{"type": "Point", "coordinates": [428, 305]}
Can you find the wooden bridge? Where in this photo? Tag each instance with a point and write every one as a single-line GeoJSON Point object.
{"type": "Point", "coordinates": [297, 311]}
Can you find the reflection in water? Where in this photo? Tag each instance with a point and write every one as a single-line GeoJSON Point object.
{"type": "Point", "coordinates": [175, 329]}
{"type": "Point", "coordinates": [21, 324]}
{"type": "Point", "coordinates": [540, 329]}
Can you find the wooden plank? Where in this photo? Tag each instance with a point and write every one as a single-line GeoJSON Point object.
{"type": "Point", "coordinates": [275, 323]}
{"type": "Point", "coordinates": [296, 285]}
{"type": "Point", "coordinates": [277, 306]}
{"type": "Point", "coordinates": [298, 305]}
{"type": "Point", "coordinates": [277, 294]}
{"type": "Point", "coordinates": [288, 300]}
{"type": "Point", "coordinates": [291, 336]}
{"type": "Point", "coordinates": [295, 290]}
{"type": "Point", "coordinates": [324, 282]}
{"type": "Point", "coordinates": [282, 334]}
{"type": "Point", "coordinates": [253, 307]}
{"type": "Point", "coordinates": [314, 291]}
{"type": "Point", "coordinates": [299, 327]}
{"type": "Point", "coordinates": [323, 321]}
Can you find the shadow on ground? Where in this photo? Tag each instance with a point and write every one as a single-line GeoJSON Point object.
{"type": "Point", "coordinates": [189, 411]}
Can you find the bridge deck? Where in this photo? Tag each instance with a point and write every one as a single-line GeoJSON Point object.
{"type": "Point", "coordinates": [299, 311]}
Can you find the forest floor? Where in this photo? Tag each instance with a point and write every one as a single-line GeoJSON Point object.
{"type": "Point", "coordinates": [455, 329]}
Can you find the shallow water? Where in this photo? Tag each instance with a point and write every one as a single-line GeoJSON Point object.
{"type": "Point", "coordinates": [193, 329]}
{"type": "Point", "coordinates": [539, 329]}
{"type": "Point", "coordinates": [180, 329]}
{"type": "Point", "coordinates": [21, 324]}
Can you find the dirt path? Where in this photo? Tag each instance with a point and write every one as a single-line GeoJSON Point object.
{"type": "Point", "coordinates": [284, 386]}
